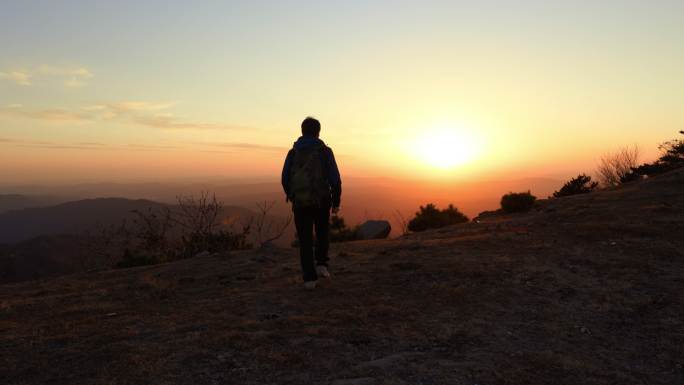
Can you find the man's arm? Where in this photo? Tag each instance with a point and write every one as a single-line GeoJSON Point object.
{"type": "Point", "coordinates": [334, 180]}
{"type": "Point", "coordinates": [285, 176]}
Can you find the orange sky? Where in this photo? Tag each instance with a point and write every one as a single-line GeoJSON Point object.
{"type": "Point", "coordinates": [443, 91]}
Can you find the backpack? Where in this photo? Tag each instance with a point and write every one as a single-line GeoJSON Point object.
{"type": "Point", "coordinates": [308, 182]}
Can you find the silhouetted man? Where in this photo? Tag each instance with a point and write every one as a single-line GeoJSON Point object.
{"type": "Point", "coordinates": [312, 183]}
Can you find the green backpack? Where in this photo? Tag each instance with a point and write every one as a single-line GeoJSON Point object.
{"type": "Point", "coordinates": [308, 183]}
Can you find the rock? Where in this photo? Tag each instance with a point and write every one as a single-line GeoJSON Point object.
{"type": "Point", "coordinates": [202, 254]}
{"type": "Point", "coordinates": [486, 215]}
{"type": "Point", "coordinates": [373, 230]}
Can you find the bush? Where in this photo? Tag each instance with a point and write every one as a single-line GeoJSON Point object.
{"type": "Point", "coordinates": [430, 217]}
{"type": "Point", "coordinates": [517, 202]}
{"type": "Point", "coordinates": [216, 241]}
{"type": "Point", "coordinates": [339, 232]}
{"type": "Point", "coordinates": [614, 168]}
{"type": "Point", "coordinates": [131, 259]}
{"type": "Point", "coordinates": [672, 157]}
{"type": "Point", "coordinates": [169, 233]}
{"type": "Point", "coordinates": [581, 184]}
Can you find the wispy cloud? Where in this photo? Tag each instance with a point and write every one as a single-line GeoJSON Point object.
{"type": "Point", "coordinates": [71, 76]}
{"type": "Point", "coordinates": [247, 146]}
{"type": "Point", "coordinates": [50, 115]}
{"type": "Point", "coordinates": [85, 145]}
{"type": "Point", "coordinates": [142, 113]}
{"type": "Point", "coordinates": [22, 78]}
{"type": "Point", "coordinates": [153, 147]}
{"type": "Point", "coordinates": [130, 106]}
{"type": "Point", "coordinates": [170, 122]}
{"type": "Point", "coordinates": [153, 114]}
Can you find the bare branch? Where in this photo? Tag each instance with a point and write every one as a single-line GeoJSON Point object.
{"type": "Point", "coordinates": [614, 167]}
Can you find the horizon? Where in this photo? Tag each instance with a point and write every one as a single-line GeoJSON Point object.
{"type": "Point", "coordinates": [445, 93]}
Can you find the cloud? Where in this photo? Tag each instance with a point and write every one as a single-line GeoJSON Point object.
{"type": "Point", "coordinates": [42, 144]}
{"type": "Point", "coordinates": [60, 146]}
{"type": "Point", "coordinates": [170, 122]}
{"type": "Point", "coordinates": [248, 146]}
{"type": "Point", "coordinates": [73, 76]}
{"type": "Point", "coordinates": [152, 147]}
{"type": "Point", "coordinates": [85, 145]}
{"type": "Point", "coordinates": [51, 115]}
{"type": "Point", "coordinates": [70, 76]}
{"type": "Point", "coordinates": [22, 78]}
{"type": "Point", "coordinates": [134, 106]}
{"type": "Point", "coordinates": [14, 105]}
{"type": "Point", "coordinates": [152, 114]}
{"type": "Point", "coordinates": [148, 114]}
{"type": "Point", "coordinates": [127, 109]}
{"type": "Point", "coordinates": [80, 72]}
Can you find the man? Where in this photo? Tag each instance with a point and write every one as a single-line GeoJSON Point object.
{"type": "Point", "coordinates": [312, 183]}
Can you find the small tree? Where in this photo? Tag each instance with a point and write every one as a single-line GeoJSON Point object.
{"type": "Point", "coordinates": [430, 217]}
{"type": "Point", "coordinates": [672, 157]}
{"type": "Point", "coordinates": [517, 202]}
{"type": "Point", "coordinates": [580, 184]}
{"type": "Point", "coordinates": [614, 167]}
{"type": "Point", "coordinates": [169, 233]}
{"type": "Point", "coordinates": [268, 229]}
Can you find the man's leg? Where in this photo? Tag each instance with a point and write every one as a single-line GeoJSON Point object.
{"type": "Point", "coordinates": [322, 222]}
{"type": "Point", "coordinates": [304, 221]}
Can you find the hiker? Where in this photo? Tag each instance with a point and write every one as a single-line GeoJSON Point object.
{"type": "Point", "coordinates": [312, 183]}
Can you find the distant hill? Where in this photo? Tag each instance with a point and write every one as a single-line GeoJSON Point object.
{"type": "Point", "coordinates": [585, 289]}
{"type": "Point", "coordinates": [76, 217]}
{"type": "Point", "coordinates": [19, 201]}
{"type": "Point", "coordinates": [67, 218]}
{"type": "Point", "coordinates": [49, 241]}
{"type": "Point", "coordinates": [362, 198]}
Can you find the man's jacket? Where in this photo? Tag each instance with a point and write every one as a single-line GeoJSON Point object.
{"type": "Point", "coordinates": [329, 166]}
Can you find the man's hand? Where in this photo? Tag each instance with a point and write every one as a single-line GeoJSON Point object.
{"type": "Point", "coordinates": [335, 210]}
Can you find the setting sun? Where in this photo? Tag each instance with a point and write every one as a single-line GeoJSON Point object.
{"type": "Point", "coordinates": [447, 148]}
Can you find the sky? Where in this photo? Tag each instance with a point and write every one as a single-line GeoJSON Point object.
{"type": "Point", "coordinates": [449, 90]}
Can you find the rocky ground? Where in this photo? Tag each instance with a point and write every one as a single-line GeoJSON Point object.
{"type": "Point", "coordinates": [582, 290]}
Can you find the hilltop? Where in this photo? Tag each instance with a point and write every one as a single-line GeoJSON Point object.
{"type": "Point", "coordinates": [581, 290]}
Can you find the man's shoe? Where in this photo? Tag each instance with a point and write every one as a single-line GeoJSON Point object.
{"type": "Point", "coordinates": [322, 271]}
{"type": "Point", "coordinates": [310, 285]}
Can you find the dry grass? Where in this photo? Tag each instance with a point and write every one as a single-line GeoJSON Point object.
{"type": "Point", "coordinates": [585, 290]}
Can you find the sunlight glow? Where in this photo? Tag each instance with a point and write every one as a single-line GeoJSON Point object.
{"type": "Point", "coordinates": [446, 148]}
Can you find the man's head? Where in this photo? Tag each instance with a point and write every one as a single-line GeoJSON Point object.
{"type": "Point", "coordinates": [311, 127]}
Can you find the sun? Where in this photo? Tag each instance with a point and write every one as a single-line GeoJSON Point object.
{"type": "Point", "coordinates": [446, 148]}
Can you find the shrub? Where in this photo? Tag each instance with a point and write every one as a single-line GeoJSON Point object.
{"type": "Point", "coordinates": [131, 259]}
{"type": "Point", "coordinates": [613, 168]}
{"type": "Point", "coordinates": [339, 231]}
{"type": "Point", "coordinates": [430, 217]}
{"type": "Point", "coordinates": [517, 202]}
{"type": "Point", "coordinates": [671, 157]}
{"type": "Point", "coordinates": [581, 184]}
{"type": "Point", "coordinates": [216, 241]}
{"type": "Point", "coordinates": [169, 233]}
{"type": "Point", "coordinates": [268, 229]}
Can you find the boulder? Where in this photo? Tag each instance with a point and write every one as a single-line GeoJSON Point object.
{"type": "Point", "coordinates": [373, 230]}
